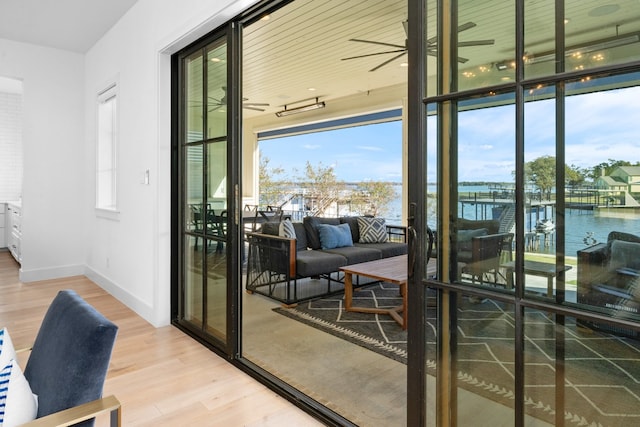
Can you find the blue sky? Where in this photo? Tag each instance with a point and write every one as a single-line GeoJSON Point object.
{"type": "Point", "coordinates": [599, 127]}
{"type": "Point", "coordinates": [359, 153]}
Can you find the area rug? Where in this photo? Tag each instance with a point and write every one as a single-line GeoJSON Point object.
{"type": "Point", "coordinates": [602, 371]}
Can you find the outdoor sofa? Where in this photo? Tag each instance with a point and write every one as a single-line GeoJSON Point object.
{"type": "Point", "coordinates": [286, 260]}
{"type": "Point", "coordinates": [609, 278]}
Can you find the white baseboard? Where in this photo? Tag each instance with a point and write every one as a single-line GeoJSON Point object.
{"type": "Point", "coordinates": [141, 308]}
{"type": "Point", "coordinates": [50, 273]}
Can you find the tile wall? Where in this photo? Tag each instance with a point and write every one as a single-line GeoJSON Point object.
{"type": "Point", "coordinates": [10, 146]}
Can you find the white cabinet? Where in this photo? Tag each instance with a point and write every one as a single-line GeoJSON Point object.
{"type": "Point", "coordinates": [3, 225]}
{"type": "Point", "coordinates": [14, 230]}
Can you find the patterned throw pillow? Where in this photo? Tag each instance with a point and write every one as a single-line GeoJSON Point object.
{"type": "Point", "coordinates": [7, 352]}
{"type": "Point", "coordinates": [287, 230]}
{"type": "Point", "coordinates": [372, 230]}
{"type": "Point", "coordinates": [18, 405]}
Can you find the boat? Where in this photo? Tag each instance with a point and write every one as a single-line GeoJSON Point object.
{"type": "Point", "coordinates": [545, 226]}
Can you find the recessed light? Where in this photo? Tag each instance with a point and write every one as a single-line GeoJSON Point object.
{"type": "Point", "coordinates": [216, 59]}
{"type": "Point", "coordinates": [265, 18]}
{"type": "Point", "coordinates": [607, 9]}
{"type": "Point", "coordinates": [566, 21]}
{"type": "Point", "coordinates": [404, 64]}
{"type": "Point", "coordinates": [311, 89]}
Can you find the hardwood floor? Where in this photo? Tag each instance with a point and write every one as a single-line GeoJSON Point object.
{"type": "Point", "coordinates": [161, 376]}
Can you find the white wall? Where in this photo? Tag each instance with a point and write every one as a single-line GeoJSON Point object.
{"type": "Point", "coordinates": [53, 157]}
{"type": "Point", "coordinates": [130, 256]}
{"type": "Point", "coordinates": [10, 145]}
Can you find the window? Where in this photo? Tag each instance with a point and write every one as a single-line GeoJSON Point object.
{"type": "Point", "coordinates": [106, 150]}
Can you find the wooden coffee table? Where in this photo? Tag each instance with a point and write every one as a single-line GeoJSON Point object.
{"type": "Point", "coordinates": [392, 270]}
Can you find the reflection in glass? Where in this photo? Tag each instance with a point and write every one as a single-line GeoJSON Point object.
{"type": "Point", "coordinates": [193, 94]}
{"type": "Point", "coordinates": [486, 217]}
{"type": "Point", "coordinates": [599, 40]}
{"type": "Point", "coordinates": [216, 290]}
{"type": "Point", "coordinates": [603, 218]}
{"type": "Point", "coordinates": [599, 371]}
{"type": "Point", "coordinates": [485, 57]}
{"type": "Point", "coordinates": [483, 364]}
{"type": "Point", "coordinates": [193, 262]}
{"type": "Point", "coordinates": [541, 214]}
{"type": "Point", "coordinates": [217, 91]}
{"type": "Point", "coordinates": [194, 212]}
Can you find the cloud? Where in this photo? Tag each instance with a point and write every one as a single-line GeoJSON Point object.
{"type": "Point", "coordinates": [369, 148]}
{"type": "Point", "coordinates": [312, 146]}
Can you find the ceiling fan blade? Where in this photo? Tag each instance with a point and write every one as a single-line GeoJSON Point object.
{"type": "Point", "coordinates": [387, 61]}
{"type": "Point", "coordinates": [405, 25]}
{"type": "Point", "coordinates": [466, 26]}
{"type": "Point", "coordinates": [379, 43]}
{"type": "Point", "coordinates": [476, 43]}
{"type": "Point", "coordinates": [375, 54]}
{"type": "Point", "coordinates": [462, 60]}
{"type": "Point", "coordinates": [255, 104]}
{"type": "Point", "coordinates": [253, 108]}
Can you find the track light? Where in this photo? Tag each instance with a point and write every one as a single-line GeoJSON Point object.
{"type": "Point", "coordinates": [288, 111]}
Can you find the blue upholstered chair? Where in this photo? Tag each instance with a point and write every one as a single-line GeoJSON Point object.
{"type": "Point", "coordinates": [69, 362]}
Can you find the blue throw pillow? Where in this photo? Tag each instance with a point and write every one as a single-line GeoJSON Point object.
{"type": "Point", "coordinates": [334, 236]}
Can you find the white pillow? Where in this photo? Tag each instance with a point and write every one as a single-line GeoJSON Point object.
{"type": "Point", "coordinates": [20, 404]}
{"type": "Point", "coordinates": [7, 352]}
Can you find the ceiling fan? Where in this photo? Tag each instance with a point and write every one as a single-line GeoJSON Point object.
{"type": "Point", "coordinates": [216, 103]}
{"type": "Point", "coordinates": [432, 45]}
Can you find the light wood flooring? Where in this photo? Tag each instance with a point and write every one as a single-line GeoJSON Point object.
{"type": "Point", "coordinates": [161, 376]}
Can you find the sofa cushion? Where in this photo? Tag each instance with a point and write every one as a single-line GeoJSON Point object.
{"type": "Point", "coordinates": [625, 255]}
{"type": "Point", "coordinates": [311, 226]}
{"type": "Point", "coordinates": [334, 236]}
{"type": "Point", "coordinates": [492, 225]}
{"type": "Point", "coordinates": [301, 236]}
{"type": "Point", "coordinates": [271, 228]}
{"type": "Point", "coordinates": [315, 262]}
{"type": "Point", "coordinates": [387, 249]}
{"type": "Point", "coordinates": [465, 236]}
{"type": "Point", "coordinates": [353, 224]}
{"type": "Point", "coordinates": [356, 254]}
{"type": "Point", "coordinates": [372, 230]}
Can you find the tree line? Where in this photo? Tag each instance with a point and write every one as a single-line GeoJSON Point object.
{"type": "Point", "coordinates": [321, 185]}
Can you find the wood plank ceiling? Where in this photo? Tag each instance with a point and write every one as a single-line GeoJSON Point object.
{"type": "Point", "coordinates": [296, 54]}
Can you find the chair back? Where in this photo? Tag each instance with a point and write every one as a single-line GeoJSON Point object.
{"type": "Point", "coordinates": [70, 356]}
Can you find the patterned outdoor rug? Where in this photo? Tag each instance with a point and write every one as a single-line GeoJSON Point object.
{"type": "Point", "coordinates": [602, 371]}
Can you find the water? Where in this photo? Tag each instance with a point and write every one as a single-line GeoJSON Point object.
{"type": "Point", "coordinates": [578, 223]}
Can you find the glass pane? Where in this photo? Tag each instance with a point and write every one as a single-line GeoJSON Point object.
{"type": "Point", "coordinates": [217, 91]}
{"type": "Point", "coordinates": [539, 38]}
{"type": "Point", "coordinates": [598, 369]}
{"type": "Point", "coordinates": [216, 289]}
{"type": "Point", "coordinates": [486, 217]}
{"type": "Point", "coordinates": [194, 194]}
{"type": "Point", "coordinates": [601, 33]}
{"type": "Point", "coordinates": [603, 195]}
{"type": "Point", "coordinates": [486, 48]}
{"type": "Point", "coordinates": [217, 175]}
{"type": "Point", "coordinates": [540, 191]}
{"type": "Point", "coordinates": [193, 94]}
{"type": "Point", "coordinates": [430, 59]}
{"type": "Point", "coordinates": [484, 362]}
{"type": "Point", "coordinates": [193, 262]}
{"type": "Point", "coordinates": [596, 34]}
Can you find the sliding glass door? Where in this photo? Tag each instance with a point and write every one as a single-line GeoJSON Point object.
{"type": "Point", "coordinates": [206, 207]}
{"type": "Point", "coordinates": [525, 154]}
